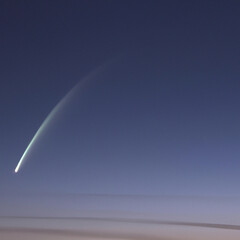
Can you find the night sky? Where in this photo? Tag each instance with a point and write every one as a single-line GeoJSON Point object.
{"type": "Point", "coordinates": [160, 118]}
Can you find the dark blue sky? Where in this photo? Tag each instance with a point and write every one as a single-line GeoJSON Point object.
{"type": "Point", "coordinates": [162, 118]}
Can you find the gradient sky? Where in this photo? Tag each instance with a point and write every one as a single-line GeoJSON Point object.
{"type": "Point", "coordinates": [162, 118]}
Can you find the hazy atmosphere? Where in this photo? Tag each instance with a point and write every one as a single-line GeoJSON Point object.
{"type": "Point", "coordinates": [119, 110]}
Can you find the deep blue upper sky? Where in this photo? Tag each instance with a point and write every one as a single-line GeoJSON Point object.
{"type": "Point", "coordinates": [162, 118]}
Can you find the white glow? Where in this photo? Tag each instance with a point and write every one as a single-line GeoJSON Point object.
{"type": "Point", "coordinates": [54, 111]}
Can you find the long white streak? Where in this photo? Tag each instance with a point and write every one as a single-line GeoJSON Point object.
{"type": "Point", "coordinates": [51, 115]}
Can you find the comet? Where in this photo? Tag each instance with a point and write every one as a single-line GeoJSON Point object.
{"type": "Point", "coordinates": [60, 105]}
